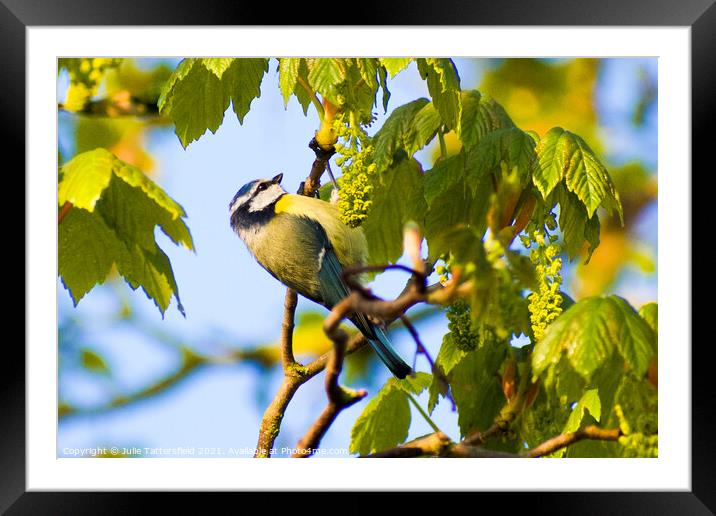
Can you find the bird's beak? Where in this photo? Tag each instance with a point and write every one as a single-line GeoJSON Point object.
{"type": "Point", "coordinates": [277, 178]}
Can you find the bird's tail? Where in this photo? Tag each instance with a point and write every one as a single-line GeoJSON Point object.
{"type": "Point", "coordinates": [387, 354]}
{"type": "Point", "coordinates": [378, 340]}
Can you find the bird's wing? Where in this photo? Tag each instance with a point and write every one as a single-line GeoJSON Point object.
{"type": "Point", "coordinates": [334, 289]}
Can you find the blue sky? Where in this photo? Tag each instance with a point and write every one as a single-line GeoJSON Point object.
{"type": "Point", "coordinates": [228, 297]}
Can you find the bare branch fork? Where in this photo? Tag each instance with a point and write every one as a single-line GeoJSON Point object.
{"type": "Point", "coordinates": [339, 397]}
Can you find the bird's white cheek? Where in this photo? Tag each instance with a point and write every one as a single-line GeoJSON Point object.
{"type": "Point", "coordinates": [266, 198]}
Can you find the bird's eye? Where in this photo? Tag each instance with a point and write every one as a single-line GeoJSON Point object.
{"type": "Point", "coordinates": [261, 187]}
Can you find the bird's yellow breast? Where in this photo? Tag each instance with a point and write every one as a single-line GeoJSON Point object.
{"type": "Point", "coordinates": [349, 244]}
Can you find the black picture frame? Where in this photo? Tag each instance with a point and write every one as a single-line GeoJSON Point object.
{"type": "Point", "coordinates": [700, 15]}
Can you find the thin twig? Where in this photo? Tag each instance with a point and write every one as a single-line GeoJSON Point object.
{"type": "Point", "coordinates": [421, 349]}
{"type": "Point", "coordinates": [63, 211]}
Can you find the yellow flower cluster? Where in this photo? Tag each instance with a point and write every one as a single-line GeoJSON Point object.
{"type": "Point", "coordinates": [356, 162]}
{"type": "Point", "coordinates": [545, 304]}
{"type": "Point", "coordinates": [636, 444]}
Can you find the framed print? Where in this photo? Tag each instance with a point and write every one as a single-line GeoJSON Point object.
{"type": "Point", "coordinates": [444, 240]}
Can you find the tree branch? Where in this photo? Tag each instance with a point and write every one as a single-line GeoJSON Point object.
{"type": "Point", "coordinates": [294, 377]}
{"type": "Point", "coordinates": [339, 397]}
{"type": "Point", "coordinates": [438, 444]}
{"type": "Point", "coordinates": [313, 182]}
{"type": "Point", "coordinates": [564, 440]}
{"type": "Point", "coordinates": [294, 374]}
{"type": "Point", "coordinates": [287, 326]}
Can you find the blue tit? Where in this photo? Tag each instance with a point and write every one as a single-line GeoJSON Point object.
{"type": "Point", "coordinates": [302, 243]}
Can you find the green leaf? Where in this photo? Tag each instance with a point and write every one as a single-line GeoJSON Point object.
{"type": "Point", "coordinates": [588, 405]}
{"type": "Point", "coordinates": [196, 98]}
{"type": "Point", "coordinates": [358, 95]}
{"type": "Point", "coordinates": [394, 133]}
{"type": "Point", "coordinates": [394, 65]}
{"type": "Point", "coordinates": [590, 331]}
{"type": "Point", "coordinates": [217, 66]}
{"type": "Point", "coordinates": [455, 206]}
{"type": "Point", "coordinates": [85, 177]}
{"type": "Point", "coordinates": [182, 70]}
{"type": "Point", "coordinates": [195, 102]}
{"type": "Point", "coordinates": [324, 74]}
{"type": "Point", "coordinates": [481, 115]}
{"type": "Point", "coordinates": [93, 362]}
{"type": "Point", "coordinates": [304, 97]}
{"type": "Point", "coordinates": [368, 69]}
{"type": "Point", "coordinates": [87, 249]}
{"type": "Point", "coordinates": [462, 242]}
{"type": "Point", "coordinates": [565, 155]}
{"type": "Point", "coordinates": [117, 229]}
{"type": "Point", "coordinates": [639, 403]}
{"type": "Point", "coordinates": [288, 76]}
{"type": "Point", "coordinates": [589, 401]}
{"type": "Point", "coordinates": [422, 129]}
{"type": "Point", "coordinates": [549, 173]}
{"type": "Point", "coordinates": [576, 226]}
{"type": "Point", "coordinates": [523, 270]}
{"type": "Point", "coordinates": [383, 81]}
{"type": "Point", "coordinates": [151, 270]}
{"type": "Point", "coordinates": [244, 83]}
{"type": "Point", "coordinates": [396, 201]}
{"type": "Point", "coordinates": [384, 423]}
{"type": "Point", "coordinates": [544, 419]}
{"type": "Point", "coordinates": [650, 313]}
{"type": "Point", "coordinates": [445, 175]}
{"type": "Point", "coordinates": [444, 87]}
{"type": "Point", "coordinates": [448, 357]}
{"type": "Point", "coordinates": [511, 146]}
{"type": "Point", "coordinates": [415, 384]}
{"type": "Point", "coordinates": [476, 388]}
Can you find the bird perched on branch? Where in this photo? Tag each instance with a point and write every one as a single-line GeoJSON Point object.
{"type": "Point", "coordinates": [302, 243]}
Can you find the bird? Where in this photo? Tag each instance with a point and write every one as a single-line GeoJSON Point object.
{"type": "Point", "coordinates": [302, 242]}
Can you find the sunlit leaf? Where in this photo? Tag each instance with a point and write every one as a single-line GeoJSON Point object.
{"type": "Point", "coordinates": [590, 331]}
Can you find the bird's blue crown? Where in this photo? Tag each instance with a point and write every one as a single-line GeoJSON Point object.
{"type": "Point", "coordinates": [243, 191]}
